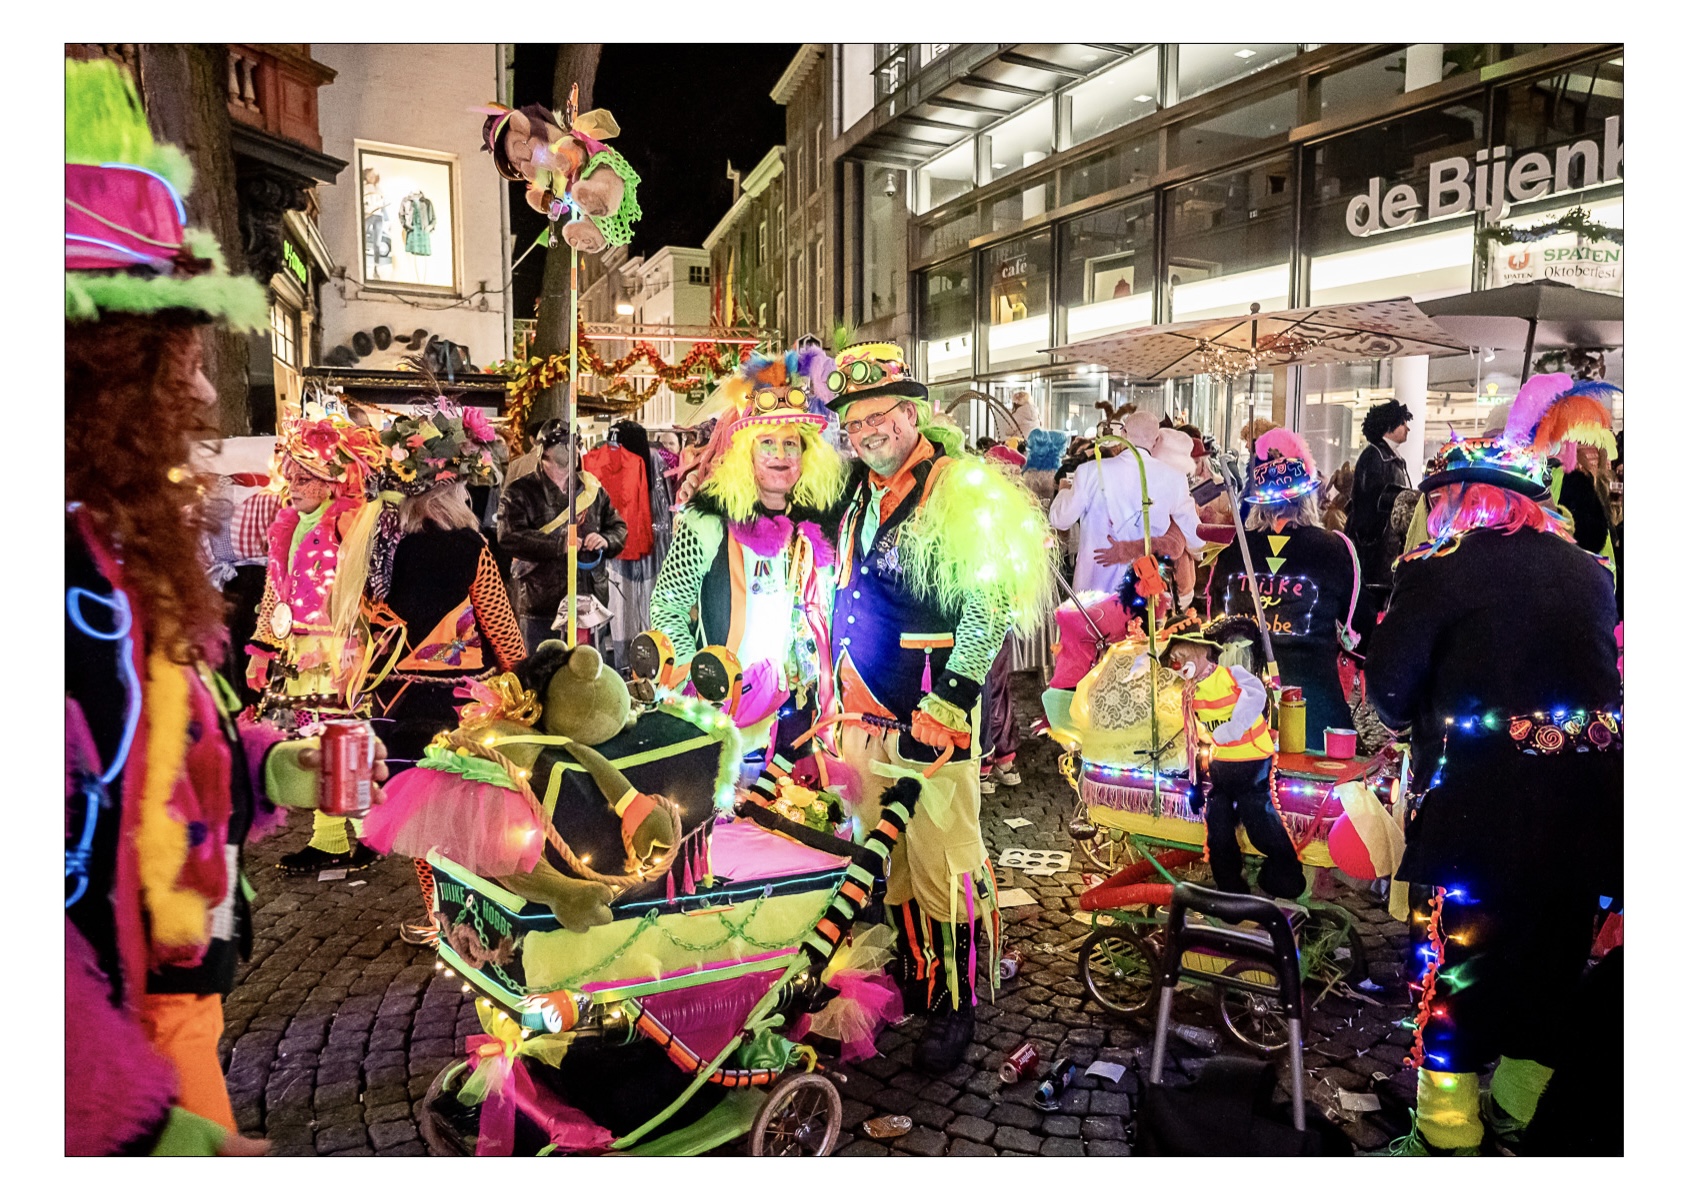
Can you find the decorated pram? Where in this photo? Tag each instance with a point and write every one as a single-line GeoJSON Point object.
{"type": "Point", "coordinates": [655, 1021]}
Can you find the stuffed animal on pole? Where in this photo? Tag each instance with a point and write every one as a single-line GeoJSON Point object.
{"type": "Point", "coordinates": [568, 169]}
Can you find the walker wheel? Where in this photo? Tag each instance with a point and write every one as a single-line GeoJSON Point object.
{"type": "Point", "coordinates": [1255, 1020]}
{"type": "Point", "coordinates": [1119, 969]}
{"type": "Point", "coordinates": [801, 1119]}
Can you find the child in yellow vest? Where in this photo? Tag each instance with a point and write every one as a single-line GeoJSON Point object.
{"type": "Point", "coordinates": [1230, 704]}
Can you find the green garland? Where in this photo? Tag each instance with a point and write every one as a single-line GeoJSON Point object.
{"type": "Point", "coordinates": [1574, 221]}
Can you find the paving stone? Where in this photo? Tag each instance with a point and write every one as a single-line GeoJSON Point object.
{"type": "Point", "coordinates": [864, 1148]}
{"type": "Point", "coordinates": [971, 1127]}
{"type": "Point", "coordinates": [1107, 1149]}
{"type": "Point", "coordinates": [923, 1141]}
{"type": "Point", "coordinates": [1016, 1115]}
{"type": "Point", "coordinates": [391, 1133]}
{"type": "Point", "coordinates": [962, 1149]}
{"type": "Point", "coordinates": [1053, 1147]}
{"type": "Point", "coordinates": [932, 1115]}
{"type": "Point", "coordinates": [1018, 1140]}
{"type": "Point", "coordinates": [1060, 1125]}
{"type": "Point", "coordinates": [340, 1137]}
{"type": "Point", "coordinates": [972, 1105]}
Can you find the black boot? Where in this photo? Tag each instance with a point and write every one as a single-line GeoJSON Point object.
{"type": "Point", "coordinates": [946, 1036]}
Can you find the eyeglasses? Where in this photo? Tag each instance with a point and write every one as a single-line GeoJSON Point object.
{"type": "Point", "coordinates": [853, 428]}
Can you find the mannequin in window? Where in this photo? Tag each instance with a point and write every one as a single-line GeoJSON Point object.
{"type": "Point", "coordinates": [376, 242]}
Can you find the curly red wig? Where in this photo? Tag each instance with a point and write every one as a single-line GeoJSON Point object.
{"type": "Point", "coordinates": [134, 406]}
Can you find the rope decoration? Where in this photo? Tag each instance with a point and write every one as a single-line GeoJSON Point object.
{"type": "Point", "coordinates": [464, 742]}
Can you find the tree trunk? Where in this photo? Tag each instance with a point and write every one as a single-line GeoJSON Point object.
{"type": "Point", "coordinates": [574, 63]}
{"type": "Point", "coordinates": [185, 90]}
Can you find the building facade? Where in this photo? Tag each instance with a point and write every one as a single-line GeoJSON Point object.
{"type": "Point", "coordinates": [418, 229]}
{"type": "Point", "coordinates": [748, 251]}
{"type": "Point", "coordinates": [806, 92]}
{"type": "Point", "coordinates": [627, 300]}
{"type": "Point", "coordinates": [1034, 195]}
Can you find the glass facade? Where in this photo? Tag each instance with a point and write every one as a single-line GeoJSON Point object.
{"type": "Point", "coordinates": [1204, 66]}
{"type": "Point", "coordinates": [1119, 96]}
{"type": "Point", "coordinates": [1246, 218]}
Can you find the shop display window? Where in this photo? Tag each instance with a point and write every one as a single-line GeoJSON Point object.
{"type": "Point", "coordinates": [1108, 270]}
{"type": "Point", "coordinates": [408, 219]}
{"type": "Point", "coordinates": [951, 233]}
{"type": "Point", "coordinates": [1204, 66]}
{"type": "Point", "coordinates": [947, 303]}
{"type": "Point", "coordinates": [1122, 94]}
{"type": "Point", "coordinates": [1017, 305]}
{"type": "Point", "coordinates": [1007, 211]}
{"type": "Point", "coordinates": [1228, 242]}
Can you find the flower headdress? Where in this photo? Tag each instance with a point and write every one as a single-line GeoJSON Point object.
{"type": "Point", "coordinates": [333, 449]}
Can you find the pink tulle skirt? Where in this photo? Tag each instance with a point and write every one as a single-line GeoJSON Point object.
{"type": "Point", "coordinates": [487, 829]}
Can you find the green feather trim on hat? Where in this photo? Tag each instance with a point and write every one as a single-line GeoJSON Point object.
{"type": "Point", "coordinates": [238, 300]}
{"type": "Point", "coordinates": [104, 123]}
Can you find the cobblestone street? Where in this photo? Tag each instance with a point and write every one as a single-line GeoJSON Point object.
{"type": "Point", "coordinates": [337, 1027]}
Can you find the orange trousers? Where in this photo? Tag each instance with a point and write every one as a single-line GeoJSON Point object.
{"type": "Point", "coordinates": [185, 1029]}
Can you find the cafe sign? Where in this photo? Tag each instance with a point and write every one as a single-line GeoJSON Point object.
{"type": "Point", "coordinates": [1490, 183]}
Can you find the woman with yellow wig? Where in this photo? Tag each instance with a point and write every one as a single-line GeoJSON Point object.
{"type": "Point", "coordinates": [747, 569]}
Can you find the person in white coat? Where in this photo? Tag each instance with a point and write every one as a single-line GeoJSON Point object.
{"type": "Point", "coordinates": [1106, 498]}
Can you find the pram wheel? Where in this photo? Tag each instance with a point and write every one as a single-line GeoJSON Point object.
{"type": "Point", "coordinates": [800, 1119]}
{"type": "Point", "coordinates": [444, 1137]}
{"type": "Point", "coordinates": [1255, 1020]}
{"type": "Point", "coordinates": [1119, 970]}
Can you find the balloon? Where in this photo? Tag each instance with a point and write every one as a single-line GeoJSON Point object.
{"type": "Point", "coordinates": [1348, 850]}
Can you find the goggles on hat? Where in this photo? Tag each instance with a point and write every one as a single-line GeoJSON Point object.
{"type": "Point", "coordinates": [767, 399]}
{"type": "Point", "coordinates": [862, 373]}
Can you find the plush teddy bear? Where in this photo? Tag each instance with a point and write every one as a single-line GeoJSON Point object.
{"type": "Point", "coordinates": [588, 704]}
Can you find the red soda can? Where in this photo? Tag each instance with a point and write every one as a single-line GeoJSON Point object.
{"type": "Point", "coordinates": [1020, 1063]}
{"type": "Point", "coordinates": [347, 768]}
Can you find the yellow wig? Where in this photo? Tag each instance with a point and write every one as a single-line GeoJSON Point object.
{"type": "Point", "coordinates": [731, 484]}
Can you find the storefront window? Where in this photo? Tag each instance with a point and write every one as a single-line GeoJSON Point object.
{"type": "Point", "coordinates": [1017, 312]}
{"type": "Point", "coordinates": [408, 219]}
{"type": "Point", "coordinates": [1120, 95]}
{"type": "Point", "coordinates": [1117, 167]}
{"type": "Point", "coordinates": [1204, 66]}
{"type": "Point", "coordinates": [946, 177]}
{"type": "Point", "coordinates": [1108, 270]}
{"type": "Point", "coordinates": [883, 199]}
{"type": "Point", "coordinates": [1228, 242]}
{"type": "Point", "coordinates": [1235, 132]}
{"type": "Point", "coordinates": [948, 319]}
{"type": "Point", "coordinates": [1354, 251]}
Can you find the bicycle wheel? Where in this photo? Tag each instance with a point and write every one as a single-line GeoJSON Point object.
{"type": "Point", "coordinates": [1255, 1020]}
{"type": "Point", "coordinates": [800, 1119]}
{"type": "Point", "coordinates": [1119, 969]}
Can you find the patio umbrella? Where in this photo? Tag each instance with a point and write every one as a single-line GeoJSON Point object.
{"type": "Point", "coordinates": [1542, 314]}
{"type": "Point", "coordinates": [1231, 346]}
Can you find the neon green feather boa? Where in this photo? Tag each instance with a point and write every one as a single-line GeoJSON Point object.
{"type": "Point", "coordinates": [980, 531]}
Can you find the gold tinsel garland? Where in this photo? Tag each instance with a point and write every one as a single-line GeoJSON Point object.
{"type": "Point", "coordinates": [529, 376]}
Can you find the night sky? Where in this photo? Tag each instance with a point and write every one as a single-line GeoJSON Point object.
{"type": "Point", "coordinates": [685, 109]}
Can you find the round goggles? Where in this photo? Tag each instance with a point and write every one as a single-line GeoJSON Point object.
{"type": "Point", "coordinates": [863, 373]}
{"type": "Point", "coordinates": [766, 400]}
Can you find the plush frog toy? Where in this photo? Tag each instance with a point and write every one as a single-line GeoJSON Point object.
{"type": "Point", "coordinates": [587, 704]}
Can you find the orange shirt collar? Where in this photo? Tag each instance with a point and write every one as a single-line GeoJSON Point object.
{"type": "Point", "coordinates": [899, 486]}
